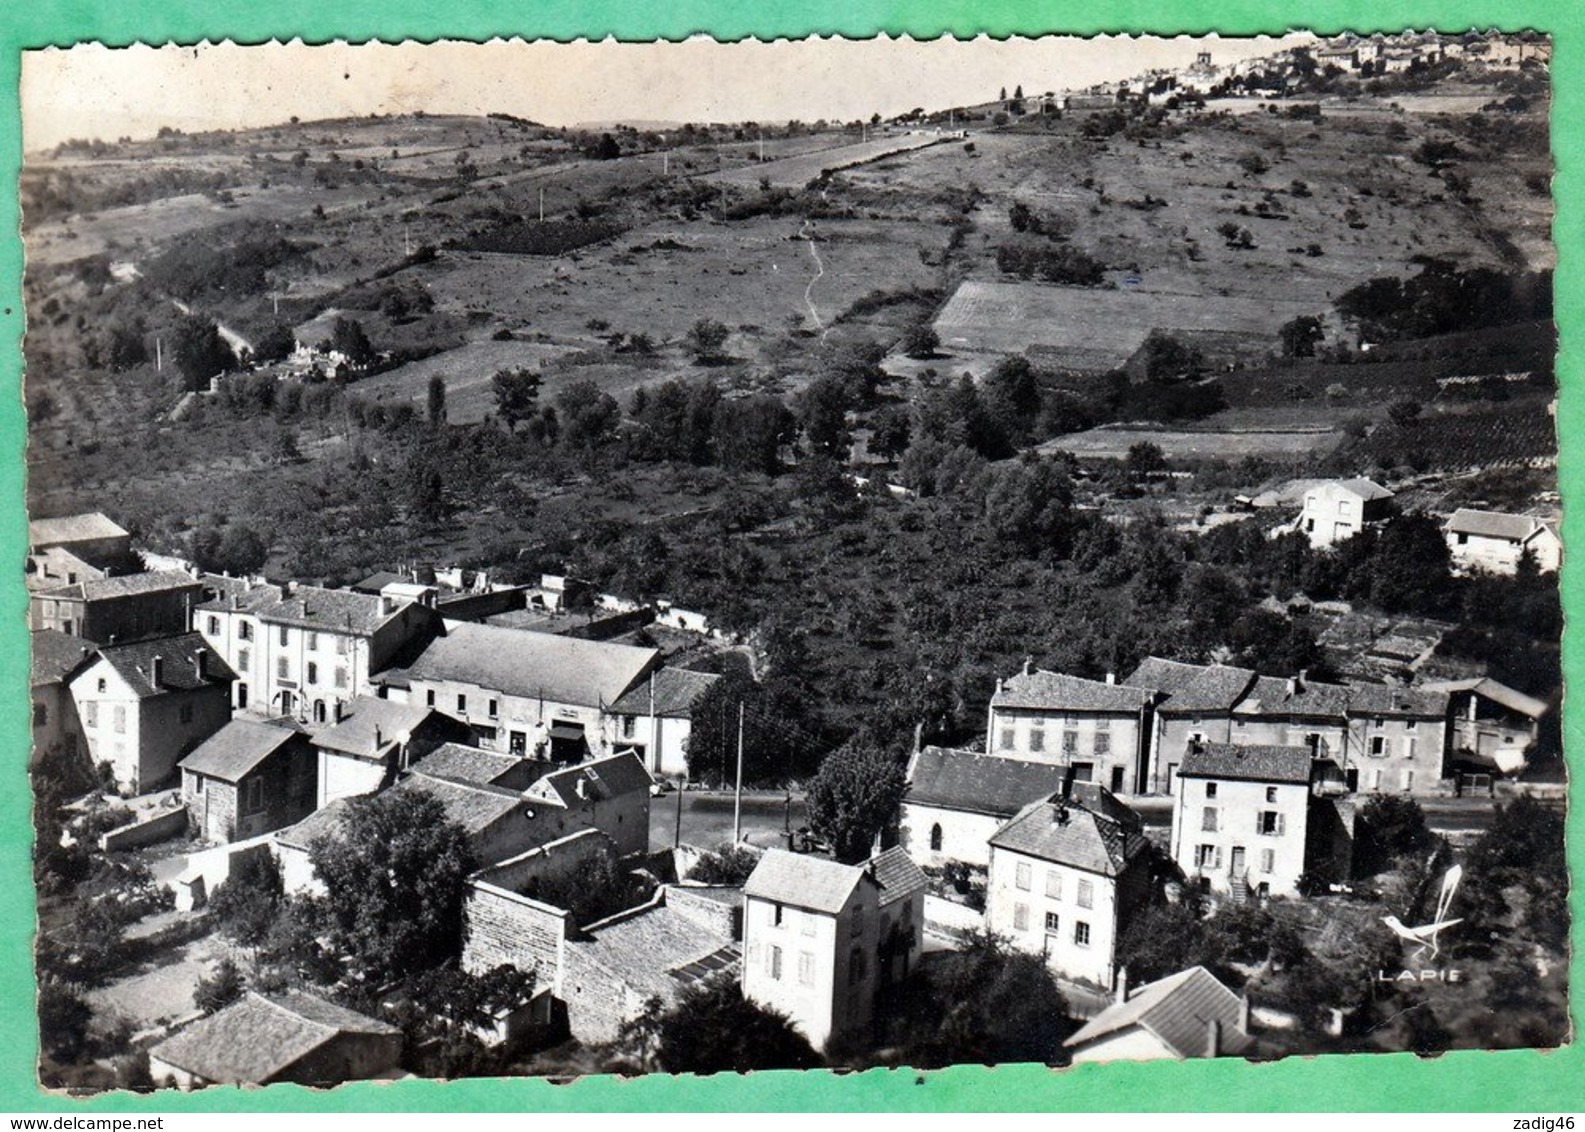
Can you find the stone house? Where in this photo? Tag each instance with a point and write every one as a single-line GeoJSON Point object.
{"type": "Point", "coordinates": [1068, 874]}
{"type": "Point", "coordinates": [1240, 818]}
{"type": "Point", "coordinates": [956, 800]}
{"type": "Point", "coordinates": [1195, 705]}
{"type": "Point", "coordinates": [247, 779]}
{"type": "Point", "coordinates": [57, 730]}
{"type": "Point", "coordinates": [145, 705]}
{"type": "Point", "coordinates": [123, 608]}
{"type": "Point", "coordinates": [655, 718]}
{"type": "Point", "coordinates": [821, 938]}
{"type": "Point", "coordinates": [1099, 728]}
{"type": "Point", "coordinates": [1398, 739]}
{"type": "Point", "coordinates": [1494, 541]}
{"type": "Point", "coordinates": [76, 548]}
{"type": "Point", "coordinates": [369, 740]}
{"type": "Point", "coordinates": [1339, 510]}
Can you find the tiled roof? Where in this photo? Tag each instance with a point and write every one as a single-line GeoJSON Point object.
{"type": "Point", "coordinates": [236, 594]}
{"type": "Point", "coordinates": [1178, 1010]}
{"type": "Point", "coordinates": [978, 783]}
{"type": "Point", "coordinates": [1494, 524]}
{"type": "Point", "coordinates": [323, 822]}
{"type": "Point", "coordinates": [377, 581]}
{"type": "Point", "coordinates": [1264, 763]}
{"type": "Point", "coordinates": [676, 691]}
{"type": "Point", "coordinates": [610, 777]}
{"type": "Point", "coordinates": [533, 665]}
{"type": "Point", "coordinates": [365, 715]}
{"type": "Point", "coordinates": [253, 1040]}
{"type": "Point", "coordinates": [134, 663]}
{"type": "Point", "coordinates": [1084, 832]}
{"type": "Point", "coordinates": [1158, 675]}
{"type": "Point", "coordinates": [473, 806]}
{"type": "Point", "coordinates": [236, 749]}
{"type": "Point", "coordinates": [894, 870]}
{"type": "Point", "coordinates": [124, 585]}
{"type": "Point", "coordinates": [1272, 696]}
{"type": "Point", "coordinates": [1211, 688]}
{"type": "Point", "coordinates": [803, 881]}
{"type": "Point", "coordinates": [1365, 489]}
{"type": "Point", "coordinates": [89, 526]}
{"type": "Point", "coordinates": [469, 764]}
{"type": "Point", "coordinates": [1493, 690]}
{"type": "Point", "coordinates": [55, 654]}
{"type": "Point", "coordinates": [651, 949]}
{"type": "Point", "coordinates": [1387, 699]}
{"type": "Point", "coordinates": [1055, 691]}
{"type": "Point", "coordinates": [333, 611]}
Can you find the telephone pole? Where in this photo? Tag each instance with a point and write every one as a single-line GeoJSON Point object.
{"type": "Point", "coordinates": [737, 794]}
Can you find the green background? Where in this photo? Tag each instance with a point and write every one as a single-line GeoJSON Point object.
{"type": "Point", "coordinates": [1518, 1081]}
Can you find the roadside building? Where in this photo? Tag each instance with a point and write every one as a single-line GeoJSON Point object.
{"type": "Point", "coordinates": [145, 705]}
{"type": "Point", "coordinates": [1188, 1014]}
{"type": "Point", "coordinates": [1492, 726]}
{"type": "Point", "coordinates": [1195, 705]}
{"type": "Point", "coordinates": [956, 800]}
{"type": "Point", "coordinates": [368, 740]}
{"type": "Point", "coordinates": [821, 938]}
{"type": "Point", "coordinates": [1240, 818]}
{"type": "Point", "coordinates": [1495, 541]}
{"type": "Point", "coordinates": [1398, 739]}
{"type": "Point", "coordinates": [1099, 728]}
{"type": "Point", "coordinates": [57, 730]}
{"type": "Point", "coordinates": [655, 718]}
{"type": "Point", "coordinates": [1340, 509]}
{"type": "Point", "coordinates": [287, 1037]}
{"type": "Point", "coordinates": [1067, 876]}
{"type": "Point", "coordinates": [125, 607]}
{"type": "Point", "coordinates": [247, 779]}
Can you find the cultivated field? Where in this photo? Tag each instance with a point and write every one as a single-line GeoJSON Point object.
{"type": "Point", "coordinates": [1272, 444]}
{"type": "Point", "coordinates": [797, 171]}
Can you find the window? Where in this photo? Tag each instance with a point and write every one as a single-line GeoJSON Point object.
{"type": "Point", "coordinates": [935, 838]}
{"type": "Point", "coordinates": [1070, 742]}
{"type": "Point", "coordinates": [1008, 739]}
{"type": "Point", "coordinates": [341, 646]}
{"type": "Point", "coordinates": [214, 625]}
{"type": "Point", "coordinates": [1020, 917]}
{"type": "Point", "coordinates": [242, 695]}
{"type": "Point", "coordinates": [1210, 789]}
{"type": "Point", "coordinates": [1052, 926]}
{"type": "Point", "coordinates": [1081, 934]}
{"type": "Point", "coordinates": [1086, 894]}
{"type": "Point", "coordinates": [1268, 860]}
{"type": "Point", "coordinates": [806, 968]}
{"type": "Point", "coordinates": [244, 630]}
{"type": "Point", "coordinates": [1053, 884]}
{"type": "Point", "coordinates": [91, 714]}
{"type": "Point", "coordinates": [255, 799]}
{"type": "Point", "coordinates": [118, 716]}
{"type": "Point", "coordinates": [1239, 723]}
{"type": "Point", "coordinates": [858, 921]}
{"type": "Point", "coordinates": [319, 711]}
{"type": "Point", "coordinates": [1271, 793]}
{"type": "Point", "coordinates": [313, 642]}
{"type": "Point", "coordinates": [283, 668]}
{"type": "Point", "coordinates": [313, 673]}
{"type": "Point", "coordinates": [773, 962]}
{"type": "Point", "coordinates": [1021, 875]}
{"type": "Point", "coordinates": [341, 677]}
{"type": "Point", "coordinates": [1104, 723]}
{"type": "Point", "coordinates": [1378, 745]}
{"type": "Point", "coordinates": [41, 715]}
{"type": "Point", "coordinates": [1378, 723]}
{"type": "Point", "coordinates": [286, 636]}
{"type": "Point", "coordinates": [1037, 738]}
{"type": "Point", "coordinates": [855, 966]}
{"type": "Point", "coordinates": [244, 660]}
{"type": "Point", "coordinates": [1103, 743]}
{"type": "Point", "coordinates": [462, 703]}
{"type": "Point", "coordinates": [184, 714]}
{"type": "Point", "coordinates": [1207, 856]}
{"type": "Point", "coordinates": [776, 914]}
{"type": "Point", "coordinates": [493, 709]}
{"type": "Point", "coordinates": [1408, 780]}
{"type": "Point", "coordinates": [103, 686]}
{"type": "Point", "coordinates": [806, 923]}
{"type": "Point", "coordinates": [1345, 506]}
{"type": "Point", "coordinates": [198, 783]}
{"type": "Point", "coordinates": [429, 698]}
{"type": "Point", "coordinates": [1208, 819]}
{"type": "Point", "coordinates": [1269, 823]}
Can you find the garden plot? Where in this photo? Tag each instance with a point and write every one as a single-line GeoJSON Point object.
{"type": "Point", "coordinates": [1092, 328]}
{"type": "Point", "coordinates": [1271, 444]}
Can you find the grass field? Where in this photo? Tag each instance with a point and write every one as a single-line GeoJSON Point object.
{"type": "Point", "coordinates": [1114, 443]}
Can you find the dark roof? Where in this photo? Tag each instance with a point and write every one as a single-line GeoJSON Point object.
{"type": "Point", "coordinates": [531, 665]}
{"type": "Point", "coordinates": [676, 692]}
{"type": "Point", "coordinates": [1272, 696]}
{"type": "Point", "coordinates": [1158, 675]}
{"type": "Point", "coordinates": [87, 527]}
{"type": "Point", "coordinates": [236, 749]}
{"type": "Point", "coordinates": [253, 1040]}
{"type": "Point", "coordinates": [1366, 489]}
{"type": "Point", "coordinates": [803, 881]}
{"type": "Point", "coordinates": [323, 822]}
{"type": "Point", "coordinates": [1192, 687]}
{"type": "Point", "coordinates": [472, 805]}
{"type": "Point", "coordinates": [365, 715]}
{"type": "Point", "coordinates": [609, 777]}
{"type": "Point", "coordinates": [124, 585]}
{"type": "Point", "coordinates": [894, 870]}
{"type": "Point", "coordinates": [236, 594]}
{"type": "Point", "coordinates": [1263, 763]}
{"type": "Point", "coordinates": [951, 779]}
{"type": "Point", "coordinates": [1091, 830]}
{"type": "Point", "coordinates": [1178, 1010]}
{"type": "Point", "coordinates": [179, 669]}
{"type": "Point", "coordinates": [1494, 524]}
{"type": "Point", "coordinates": [55, 654]}
{"type": "Point", "coordinates": [334, 611]}
{"type": "Point", "coordinates": [377, 581]}
{"type": "Point", "coordinates": [1055, 691]}
{"type": "Point", "coordinates": [468, 764]}
{"type": "Point", "coordinates": [653, 947]}
{"type": "Point", "coordinates": [1388, 699]}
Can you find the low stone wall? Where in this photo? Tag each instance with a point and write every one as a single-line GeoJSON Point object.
{"type": "Point", "coordinates": [146, 831]}
{"type": "Point", "coordinates": [947, 918]}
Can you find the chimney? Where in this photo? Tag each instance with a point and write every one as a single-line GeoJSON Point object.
{"type": "Point", "coordinates": [157, 671]}
{"type": "Point", "coordinates": [1293, 685]}
{"type": "Point", "coordinates": [236, 601]}
{"type": "Point", "coordinates": [1213, 1038]}
{"type": "Point", "coordinates": [1029, 665]}
{"type": "Point", "coordinates": [581, 787]}
{"type": "Point", "coordinates": [919, 736]}
{"type": "Point", "coordinates": [286, 588]}
{"type": "Point", "coordinates": [378, 738]}
{"type": "Point", "coordinates": [201, 663]}
{"type": "Point", "coordinates": [1122, 985]}
{"type": "Point", "coordinates": [302, 607]}
{"type": "Point", "coordinates": [1111, 677]}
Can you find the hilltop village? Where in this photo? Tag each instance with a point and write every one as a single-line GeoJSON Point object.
{"type": "Point", "coordinates": [1071, 578]}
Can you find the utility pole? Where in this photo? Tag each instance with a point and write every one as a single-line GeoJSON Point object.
{"type": "Point", "coordinates": [762, 146]}
{"type": "Point", "coordinates": [737, 794]}
{"type": "Point", "coordinates": [542, 204]}
{"type": "Point", "coordinates": [665, 164]}
{"type": "Point", "coordinates": [159, 354]}
{"type": "Point", "coordinates": [682, 784]}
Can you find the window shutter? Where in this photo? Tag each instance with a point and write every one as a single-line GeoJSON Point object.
{"type": "Point", "coordinates": [1260, 821]}
{"type": "Point", "coordinates": [1282, 824]}
{"type": "Point", "coordinates": [1218, 858]}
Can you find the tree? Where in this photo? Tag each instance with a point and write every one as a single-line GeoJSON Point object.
{"type": "Point", "coordinates": [516, 395]}
{"type": "Point", "coordinates": [726, 864]}
{"type": "Point", "coordinates": [1145, 458]}
{"type": "Point", "coordinates": [853, 796]}
{"type": "Point", "coordinates": [705, 340]}
{"type": "Point", "coordinates": [920, 341]}
{"type": "Point", "coordinates": [395, 876]}
{"type": "Point", "coordinates": [712, 1028]}
{"type": "Point", "coordinates": [436, 400]}
{"type": "Point", "coordinates": [200, 352]}
{"type": "Point", "coordinates": [1163, 358]}
{"type": "Point", "coordinates": [606, 149]}
{"type": "Point", "coordinates": [1404, 413]}
{"type": "Point", "coordinates": [63, 1020]}
{"type": "Point", "coordinates": [221, 989]}
{"type": "Point", "coordinates": [1300, 336]}
{"type": "Point", "coordinates": [751, 432]}
{"type": "Point", "coordinates": [1390, 826]}
{"type": "Point", "coordinates": [348, 339]}
{"type": "Point", "coordinates": [823, 407]}
{"type": "Point", "coordinates": [242, 550]}
{"type": "Point", "coordinates": [247, 904]}
{"type": "Point", "coordinates": [588, 415]}
{"type": "Point", "coordinates": [891, 428]}
{"type": "Point", "coordinates": [275, 343]}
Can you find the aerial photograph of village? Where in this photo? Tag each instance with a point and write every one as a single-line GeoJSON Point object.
{"type": "Point", "coordinates": [1062, 572]}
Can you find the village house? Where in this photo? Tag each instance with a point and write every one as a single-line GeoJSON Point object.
{"type": "Point", "coordinates": [1187, 1014]}
{"type": "Point", "coordinates": [1495, 541]}
{"type": "Point", "coordinates": [145, 705]}
{"type": "Point", "coordinates": [1068, 874]}
{"type": "Point", "coordinates": [821, 938]}
{"type": "Point", "coordinates": [247, 779]}
{"type": "Point", "coordinates": [300, 650]}
{"type": "Point", "coordinates": [525, 693]}
{"type": "Point", "coordinates": [126, 607]}
{"type": "Point", "coordinates": [1195, 705]}
{"type": "Point", "coordinates": [368, 740]}
{"type": "Point", "coordinates": [57, 730]}
{"type": "Point", "coordinates": [76, 548]}
{"type": "Point", "coordinates": [1099, 728]}
{"type": "Point", "coordinates": [1492, 725]}
{"type": "Point", "coordinates": [1339, 510]}
{"type": "Point", "coordinates": [1398, 739]}
{"type": "Point", "coordinates": [1240, 818]}
{"type": "Point", "coordinates": [956, 800]}
{"type": "Point", "coordinates": [609, 794]}
{"type": "Point", "coordinates": [265, 1039]}
{"type": "Point", "coordinates": [655, 718]}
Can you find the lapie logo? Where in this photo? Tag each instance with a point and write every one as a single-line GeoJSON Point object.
{"type": "Point", "coordinates": [1427, 938]}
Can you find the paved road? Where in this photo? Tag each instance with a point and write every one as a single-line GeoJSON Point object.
{"type": "Point", "coordinates": [707, 818]}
